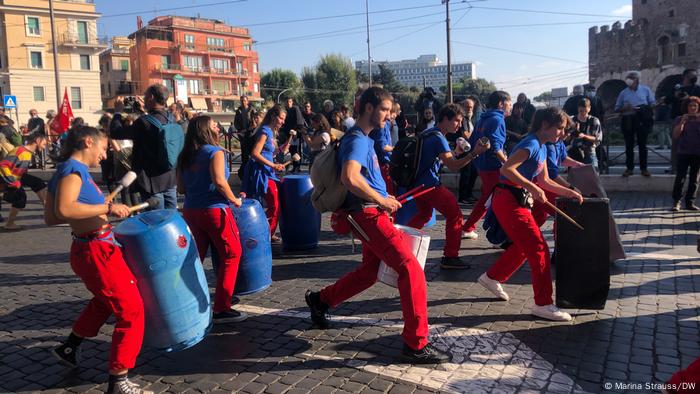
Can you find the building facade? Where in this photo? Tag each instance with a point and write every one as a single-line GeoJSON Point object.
{"type": "Point", "coordinates": [115, 72]}
{"type": "Point", "coordinates": [27, 62]}
{"type": "Point", "coordinates": [204, 62]}
{"type": "Point", "coordinates": [661, 40]}
{"type": "Point", "coordinates": [426, 70]}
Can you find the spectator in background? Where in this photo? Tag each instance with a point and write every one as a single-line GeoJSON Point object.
{"type": "Point", "coordinates": [154, 180]}
{"type": "Point", "coordinates": [635, 104]}
{"type": "Point", "coordinates": [336, 120]}
{"type": "Point", "coordinates": [686, 132]}
{"type": "Point", "coordinates": [427, 100]}
{"type": "Point", "coordinates": [308, 113]}
{"type": "Point", "coordinates": [348, 120]}
{"type": "Point", "coordinates": [328, 108]}
{"type": "Point", "coordinates": [294, 121]}
{"type": "Point", "coordinates": [401, 121]}
{"type": "Point", "coordinates": [468, 173]}
{"type": "Point", "coordinates": [35, 123]}
{"type": "Point", "coordinates": [528, 110]}
{"type": "Point", "coordinates": [7, 129]}
{"type": "Point", "coordinates": [687, 88]}
{"type": "Point", "coordinates": [241, 120]}
{"type": "Point", "coordinates": [320, 136]}
{"type": "Point", "coordinates": [587, 136]}
{"type": "Point", "coordinates": [107, 165]}
{"type": "Point", "coordinates": [395, 109]}
{"type": "Point", "coordinates": [516, 127]}
{"type": "Point", "coordinates": [597, 108]}
{"type": "Point", "coordinates": [571, 104]}
{"type": "Point", "coordinates": [427, 121]}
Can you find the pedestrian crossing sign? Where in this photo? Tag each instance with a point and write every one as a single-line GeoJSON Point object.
{"type": "Point", "coordinates": [9, 101]}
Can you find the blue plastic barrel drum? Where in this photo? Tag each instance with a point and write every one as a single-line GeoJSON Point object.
{"type": "Point", "coordinates": [255, 269]}
{"type": "Point", "coordinates": [300, 223]}
{"type": "Point", "coordinates": [162, 255]}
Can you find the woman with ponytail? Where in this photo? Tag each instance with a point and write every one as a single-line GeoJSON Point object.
{"type": "Point", "coordinates": [202, 176]}
{"type": "Point", "coordinates": [512, 204]}
{"type": "Point", "coordinates": [74, 198]}
{"type": "Point", "coordinates": [259, 179]}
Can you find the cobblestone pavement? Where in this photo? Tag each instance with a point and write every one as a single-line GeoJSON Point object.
{"type": "Point", "coordinates": [648, 329]}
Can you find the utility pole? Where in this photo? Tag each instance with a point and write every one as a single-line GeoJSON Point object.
{"type": "Point", "coordinates": [55, 56]}
{"type": "Point", "coordinates": [449, 54]}
{"type": "Point", "coordinates": [369, 54]}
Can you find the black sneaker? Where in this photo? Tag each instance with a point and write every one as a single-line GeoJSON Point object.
{"type": "Point", "coordinates": [67, 355]}
{"type": "Point", "coordinates": [318, 309]}
{"type": "Point", "coordinates": [454, 263]}
{"type": "Point", "coordinates": [126, 386]}
{"type": "Point", "coordinates": [235, 300]}
{"type": "Point", "coordinates": [229, 316]}
{"type": "Point", "coordinates": [427, 355]}
{"type": "Point", "coordinates": [691, 207]}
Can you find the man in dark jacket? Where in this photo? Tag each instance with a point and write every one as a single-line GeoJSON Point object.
{"type": "Point", "coordinates": [528, 110]}
{"type": "Point", "coordinates": [153, 180]}
{"type": "Point", "coordinates": [35, 123]}
{"type": "Point", "coordinates": [294, 121]}
{"type": "Point", "coordinates": [242, 125]}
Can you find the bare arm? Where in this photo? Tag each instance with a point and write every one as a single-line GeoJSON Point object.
{"type": "Point", "coordinates": [501, 155]}
{"type": "Point", "coordinates": [352, 178]}
{"type": "Point", "coordinates": [218, 176]}
{"type": "Point", "coordinates": [569, 162]}
{"type": "Point", "coordinates": [67, 205]}
{"type": "Point", "coordinates": [50, 217]}
{"type": "Point", "coordinates": [557, 188]}
{"type": "Point", "coordinates": [510, 172]}
{"type": "Point", "coordinates": [455, 164]}
{"type": "Point", "coordinates": [256, 153]}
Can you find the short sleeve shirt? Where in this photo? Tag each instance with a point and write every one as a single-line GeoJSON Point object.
{"type": "Point", "coordinates": [382, 138]}
{"type": "Point", "coordinates": [556, 154]}
{"type": "Point", "coordinates": [356, 146]}
{"type": "Point", "coordinates": [434, 144]}
{"type": "Point", "coordinates": [90, 193]}
{"type": "Point", "coordinates": [537, 155]}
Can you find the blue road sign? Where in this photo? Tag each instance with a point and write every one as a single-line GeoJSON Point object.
{"type": "Point", "coordinates": [9, 101]}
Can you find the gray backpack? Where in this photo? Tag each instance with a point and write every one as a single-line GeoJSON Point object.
{"type": "Point", "coordinates": [329, 193]}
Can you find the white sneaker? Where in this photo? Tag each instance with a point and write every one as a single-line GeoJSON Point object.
{"type": "Point", "coordinates": [470, 235]}
{"type": "Point", "coordinates": [550, 312]}
{"type": "Point", "coordinates": [493, 286]}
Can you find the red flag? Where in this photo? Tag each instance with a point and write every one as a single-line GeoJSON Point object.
{"type": "Point", "coordinates": [64, 116]}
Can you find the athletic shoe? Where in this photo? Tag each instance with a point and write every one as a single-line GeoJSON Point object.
{"type": "Point", "coordinates": [235, 300]}
{"type": "Point", "coordinates": [691, 207]}
{"type": "Point", "coordinates": [427, 355]}
{"type": "Point", "coordinates": [229, 316]}
{"type": "Point", "coordinates": [550, 312]}
{"type": "Point", "coordinates": [627, 173]}
{"type": "Point", "coordinates": [493, 286]}
{"type": "Point", "coordinates": [646, 173]}
{"type": "Point", "coordinates": [126, 386]}
{"type": "Point", "coordinates": [67, 355]}
{"type": "Point", "coordinates": [318, 309]}
{"type": "Point", "coordinates": [454, 263]}
{"type": "Point", "coordinates": [676, 206]}
{"type": "Point", "coordinates": [470, 235]}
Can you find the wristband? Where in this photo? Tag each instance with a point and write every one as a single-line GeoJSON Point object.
{"type": "Point", "coordinates": [109, 207]}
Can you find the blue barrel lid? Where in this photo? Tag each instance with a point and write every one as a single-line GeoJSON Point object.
{"type": "Point", "coordinates": [296, 177]}
{"type": "Point", "coordinates": [145, 221]}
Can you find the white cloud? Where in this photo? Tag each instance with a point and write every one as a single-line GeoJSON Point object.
{"type": "Point", "coordinates": [625, 10]}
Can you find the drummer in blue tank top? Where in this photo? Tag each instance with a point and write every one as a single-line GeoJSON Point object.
{"type": "Point", "coordinates": [259, 179]}
{"type": "Point", "coordinates": [95, 257]}
{"type": "Point", "coordinates": [512, 208]}
{"type": "Point", "coordinates": [202, 176]}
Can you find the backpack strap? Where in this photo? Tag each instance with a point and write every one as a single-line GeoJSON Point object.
{"type": "Point", "coordinates": [152, 120]}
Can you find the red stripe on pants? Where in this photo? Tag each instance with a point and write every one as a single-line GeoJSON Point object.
{"type": "Point", "coordinates": [387, 244]}
{"type": "Point", "coordinates": [101, 266]}
{"type": "Point", "coordinates": [272, 205]}
{"type": "Point", "coordinates": [528, 243]}
{"type": "Point", "coordinates": [216, 226]}
{"type": "Point", "coordinates": [387, 179]}
{"type": "Point", "coordinates": [489, 180]}
{"type": "Point", "coordinates": [444, 202]}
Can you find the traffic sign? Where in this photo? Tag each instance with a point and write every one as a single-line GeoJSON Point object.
{"type": "Point", "coordinates": [9, 101]}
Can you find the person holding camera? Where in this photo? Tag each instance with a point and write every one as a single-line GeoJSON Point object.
{"type": "Point", "coordinates": [686, 132]}
{"type": "Point", "coordinates": [587, 135]}
{"type": "Point", "coordinates": [320, 136]}
{"type": "Point", "coordinates": [512, 201]}
{"type": "Point", "coordinates": [636, 103]}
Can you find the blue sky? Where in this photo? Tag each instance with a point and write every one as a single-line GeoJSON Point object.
{"type": "Point", "coordinates": [557, 44]}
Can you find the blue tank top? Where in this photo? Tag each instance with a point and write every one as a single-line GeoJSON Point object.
{"type": "Point", "coordinates": [200, 191]}
{"type": "Point", "coordinates": [90, 193]}
{"type": "Point", "coordinates": [537, 155]}
{"type": "Point", "coordinates": [268, 149]}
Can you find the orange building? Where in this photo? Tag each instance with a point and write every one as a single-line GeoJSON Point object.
{"type": "Point", "coordinates": [204, 62]}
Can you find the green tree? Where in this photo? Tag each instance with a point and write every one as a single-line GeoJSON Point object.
{"type": "Point", "coordinates": [277, 80]}
{"type": "Point", "coordinates": [335, 80]}
{"type": "Point", "coordinates": [308, 79]}
{"type": "Point", "coordinates": [385, 77]}
{"type": "Point", "coordinates": [361, 77]}
{"type": "Point", "coordinates": [478, 87]}
{"type": "Point", "coordinates": [544, 97]}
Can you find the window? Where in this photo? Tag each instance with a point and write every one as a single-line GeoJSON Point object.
{"type": "Point", "coordinates": [220, 64]}
{"type": "Point", "coordinates": [124, 64]}
{"type": "Point", "coordinates": [168, 83]}
{"type": "Point", "coordinates": [36, 61]}
{"type": "Point", "coordinates": [38, 93]}
{"type": "Point", "coordinates": [255, 67]}
{"type": "Point", "coordinates": [84, 62]}
{"type": "Point", "coordinates": [193, 63]}
{"type": "Point", "coordinates": [33, 28]}
{"type": "Point", "coordinates": [189, 41]}
{"type": "Point", "coordinates": [665, 50]}
{"type": "Point", "coordinates": [239, 67]}
{"type": "Point", "coordinates": [109, 88]}
{"type": "Point", "coordinates": [76, 101]}
{"type": "Point", "coordinates": [194, 86]}
{"type": "Point", "coordinates": [681, 49]}
{"type": "Point", "coordinates": [82, 32]}
{"type": "Point", "coordinates": [256, 87]}
{"type": "Point", "coordinates": [246, 46]}
{"type": "Point", "coordinates": [165, 62]}
{"type": "Point", "coordinates": [215, 42]}
{"type": "Point", "coordinates": [221, 87]}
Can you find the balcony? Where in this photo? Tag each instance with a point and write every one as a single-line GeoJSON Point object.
{"type": "Point", "coordinates": [127, 87]}
{"type": "Point", "coordinates": [189, 47]}
{"type": "Point", "coordinates": [70, 40]}
{"type": "Point", "coordinates": [178, 68]}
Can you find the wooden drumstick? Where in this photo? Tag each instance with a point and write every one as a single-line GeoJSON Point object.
{"type": "Point", "coordinates": [567, 217]}
{"type": "Point", "coordinates": [150, 203]}
{"type": "Point", "coordinates": [124, 183]}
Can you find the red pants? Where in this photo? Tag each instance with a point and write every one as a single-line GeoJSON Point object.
{"type": "Point", "coordinates": [100, 265]}
{"type": "Point", "coordinates": [444, 202]}
{"type": "Point", "coordinates": [272, 205]}
{"type": "Point", "coordinates": [217, 227]}
{"type": "Point", "coordinates": [387, 179]}
{"type": "Point", "coordinates": [386, 244]}
{"type": "Point", "coordinates": [528, 243]}
{"type": "Point", "coordinates": [688, 376]}
{"type": "Point", "coordinates": [489, 180]}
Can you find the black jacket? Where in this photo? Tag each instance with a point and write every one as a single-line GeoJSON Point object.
{"type": "Point", "coordinates": [151, 177]}
{"type": "Point", "coordinates": [241, 120]}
